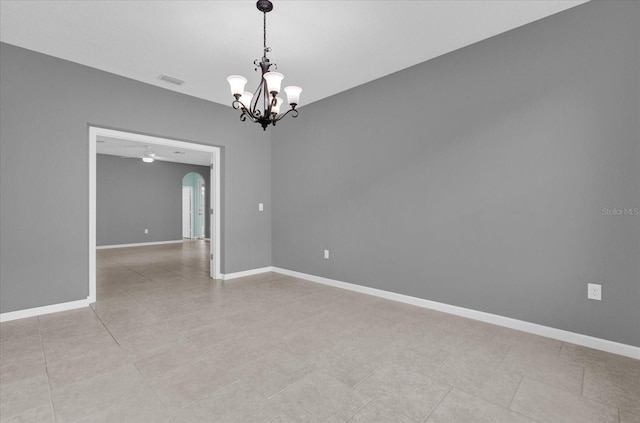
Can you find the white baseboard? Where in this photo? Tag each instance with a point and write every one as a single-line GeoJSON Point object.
{"type": "Point", "coordinates": [38, 311]}
{"type": "Point", "coordinates": [549, 332]}
{"type": "Point", "coordinates": [139, 244]}
{"type": "Point", "coordinates": [244, 273]}
{"type": "Point", "coordinates": [536, 329]}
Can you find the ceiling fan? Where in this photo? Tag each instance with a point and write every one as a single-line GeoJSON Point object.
{"type": "Point", "coordinates": [147, 156]}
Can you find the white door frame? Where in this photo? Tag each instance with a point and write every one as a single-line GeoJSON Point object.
{"type": "Point", "coordinates": [202, 202]}
{"type": "Point", "coordinates": [214, 190]}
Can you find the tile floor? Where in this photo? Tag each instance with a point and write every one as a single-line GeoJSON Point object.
{"type": "Point", "coordinates": [164, 343]}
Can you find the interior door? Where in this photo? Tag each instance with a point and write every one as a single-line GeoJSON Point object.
{"type": "Point", "coordinates": [201, 209]}
{"type": "Point", "coordinates": [187, 212]}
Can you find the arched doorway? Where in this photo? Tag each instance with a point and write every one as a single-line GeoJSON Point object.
{"type": "Point", "coordinates": [194, 200]}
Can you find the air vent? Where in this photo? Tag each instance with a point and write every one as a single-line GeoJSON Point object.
{"type": "Point", "coordinates": [171, 79]}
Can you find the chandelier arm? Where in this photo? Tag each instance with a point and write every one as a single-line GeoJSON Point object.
{"type": "Point", "coordinates": [245, 115]}
{"type": "Point", "coordinates": [294, 114]}
{"type": "Point", "coordinates": [267, 102]}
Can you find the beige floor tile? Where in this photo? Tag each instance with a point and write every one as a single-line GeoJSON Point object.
{"type": "Point", "coordinates": [319, 398]}
{"type": "Point", "coordinates": [272, 371]}
{"type": "Point", "coordinates": [40, 414]}
{"type": "Point", "coordinates": [588, 357]}
{"type": "Point", "coordinates": [615, 386]}
{"type": "Point", "coordinates": [24, 396]}
{"type": "Point", "coordinates": [212, 334]}
{"type": "Point", "coordinates": [120, 310]}
{"type": "Point", "coordinates": [353, 356]}
{"type": "Point", "coordinates": [90, 396]}
{"type": "Point", "coordinates": [282, 418]}
{"type": "Point", "coordinates": [465, 334]}
{"type": "Point", "coordinates": [19, 347]}
{"type": "Point", "coordinates": [138, 344]}
{"type": "Point", "coordinates": [305, 343]}
{"type": "Point", "coordinates": [545, 403]}
{"type": "Point", "coordinates": [515, 338]}
{"type": "Point", "coordinates": [458, 407]}
{"type": "Point", "coordinates": [404, 391]}
{"type": "Point", "coordinates": [192, 382]}
{"type": "Point", "coordinates": [21, 368]}
{"type": "Point", "coordinates": [478, 376]}
{"type": "Point", "coordinates": [139, 408]}
{"type": "Point", "coordinates": [404, 355]}
{"type": "Point", "coordinates": [379, 412]}
{"type": "Point", "coordinates": [626, 417]}
{"type": "Point", "coordinates": [15, 329]}
{"type": "Point", "coordinates": [544, 366]}
{"type": "Point", "coordinates": [169, 357]}
{"type": "Point", "coordinates": [56, 348]}
{"type": "Point", "coordinates": [109, 292]}
{"type": "Point", "coordinates": [71, 369]}
{"type": "Point", "coordinates": [235, 351]}
{"type": "Point", "coordinates": [234, 403]}
{"type": "Point", "coordinates": [71, 323]}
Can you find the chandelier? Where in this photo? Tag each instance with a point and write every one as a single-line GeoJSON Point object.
{"type": "Point", "coordinates": [264, 105]}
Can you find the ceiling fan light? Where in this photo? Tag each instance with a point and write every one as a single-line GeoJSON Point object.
{"type": "Point", "coordinates": [236, 83]}
{"type": "Point", "coordinates": [293, 94]}
{"type": "Point", "coordinates": [147, 159]}
{"type": "Point", "coordinates": [274, 80]}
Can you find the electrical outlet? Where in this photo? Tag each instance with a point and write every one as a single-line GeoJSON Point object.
{"type": "Point", "coordinates": [594, 291]}
{"type": "Point", "coordinates": [146, 231]}
{"type": "Point", "coordinates": [326, 254]}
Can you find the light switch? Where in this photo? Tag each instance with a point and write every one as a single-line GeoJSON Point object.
{"type": "Point", "coordinates": [260, 206]}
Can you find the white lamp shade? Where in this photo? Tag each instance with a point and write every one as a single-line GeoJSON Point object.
{"type": "Point", "coordinates": [293, 94]}
{"type": "Point", "coordinates": [237, 83]}
{"type": "Point", "coordinates": [147, 159]}
{"type": "Point", "coordinates": [274, 80]}
{"type": "Point", "coordinates": [246, 98]}
{"type": "Point", "coordinates": [276, 108]}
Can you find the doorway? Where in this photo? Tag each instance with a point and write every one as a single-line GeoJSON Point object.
{"type": "Point", "coordinates": [214, 194]}
{"type": "Point", "coordinates": [194, 200]}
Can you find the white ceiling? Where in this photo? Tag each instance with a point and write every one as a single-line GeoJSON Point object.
{"type": "Point", "coordinates": [324, 46]}
{"type": "Point", "coordinates": [127, 148]}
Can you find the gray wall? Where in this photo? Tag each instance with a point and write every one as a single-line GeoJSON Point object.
{"type": "Point", "coordinates": [46, 106]}
{"type": "Point", "coordinates": [132, 196]}
{"type": "Point", "coordinates": [478, 179]}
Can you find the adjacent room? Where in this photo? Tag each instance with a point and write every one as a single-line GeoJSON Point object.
{"type": "Point", "coordinates": [345, 211]}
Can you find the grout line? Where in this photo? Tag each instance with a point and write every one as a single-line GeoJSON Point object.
{"type": "Point", "coordinates": [584, 370]}
{"type": "Point", "coordinates": [515, 392]}
{"type": "Point", "coordinates": [108, 331]}
{"type": "Point", "coordinates": [46, 369]}
{"type": "Point", "coordinates": [438, 405]}
{"type": "Point", "coordinates": [358, 410]}
{"type": "Point", "coordinates": [449, 357]}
